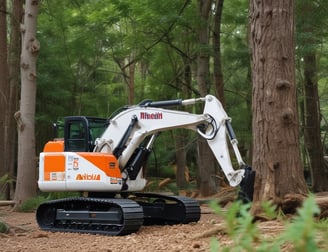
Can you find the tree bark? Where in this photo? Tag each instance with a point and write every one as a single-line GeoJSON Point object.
{"type": "Point", "coordinates": [4, 95]}
{"type": "Point", "coordinates": [181, 158]}
{"type": "Point", "coordinates": [217, 65]}
{"type": "Point", "coordinates": [181, 137]}
{"type": "Point", "coordinates": [14, 69]}
{"type": "Point", "coordinates": [312, 133]}
{"type": "Point", "coordinates": [276, 152]}
{"type": "Point", "coordinates": [26, 170]}
{"type": "Point", "coordinates": [131, 78]}
{"type": "Point", "coordinates": [206, 161]}
{"type": "Point", "coordinates": [311, 104]}
{"type": "Point", "coordinates": [203, 54]}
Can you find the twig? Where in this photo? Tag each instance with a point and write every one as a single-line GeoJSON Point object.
{"type": "Point", "coordinates": [213, 231]}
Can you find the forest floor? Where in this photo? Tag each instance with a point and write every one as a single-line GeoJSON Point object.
{"type": "Point", "coordinates": [25, 235]}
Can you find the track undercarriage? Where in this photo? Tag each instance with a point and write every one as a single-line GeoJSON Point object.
{"type": "Point", "coordinates": [115, 216]}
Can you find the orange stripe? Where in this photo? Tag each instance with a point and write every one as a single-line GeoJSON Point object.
{"type": "Point", "coordinates": [53, 163]}
{"type": "Point", "coordinates": [54, 146]}
{"type": "Point", "coordinates": [105, 162]}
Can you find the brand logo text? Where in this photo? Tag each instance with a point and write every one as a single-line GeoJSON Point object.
{"type": "Point", "coordinates": [87, 176]}
{"type": "Point", "coordinates": [151, 116]}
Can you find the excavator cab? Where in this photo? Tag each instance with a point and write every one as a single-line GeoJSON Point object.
{"type": "Point", "coordinates": [80, 132]}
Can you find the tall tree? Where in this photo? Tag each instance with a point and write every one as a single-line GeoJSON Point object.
{"type": "Point", "coordinates": [276, 152]}
{"type": "Point", "coordinates": [181, 138]}
{"type": "Point", "coordinates": [206, 162]}
{"type": "Point", "coordinates": [4, 88]}
{"type": "Point", "coordinates": [26, 170]}
{"type": "Point", "coordinates": [309, 40]}
{"type": "Point", "coordinates": [217, 65]}
{"type": "Point", "coordinates": [3, 79]}
{"type": "Point", "coordinates": [312, 131]}
{"type": "Point", "coordinates": [14, 69]}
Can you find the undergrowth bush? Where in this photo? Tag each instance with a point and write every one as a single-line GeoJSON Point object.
{"type": "Point", "coordinates": [5, 182]}
{"type": "Point", "coordinates": [3, 227]}
{"type": "Point", "coordinates": [33, 203]}
{"type": "Point", "coordinates": [301, 233]}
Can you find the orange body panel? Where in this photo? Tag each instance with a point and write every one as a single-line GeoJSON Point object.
{"type": "Point", "coordinates": [52, 164]}
{"type": "Point", "coordinates": [105, 162]}
{"type": "Point", "coordinates": [54, 146]}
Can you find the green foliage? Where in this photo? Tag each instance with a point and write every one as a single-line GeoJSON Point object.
{"type": "Point", "coordinates": [311, 37]}
{"type": "Point", "coordinates": [3, 227]}
{"type": "Point", "coordinates": [167, 172]}
{"type": "Point", "coordinates": [33, 203]}
{"type": "Point", "coordinates": [5, 181]}
{"type": "Point", "coordinates": [270, 210]}
{"type": "Point", "coordinates": [60, 195]}
{"type": "Point", "coordinates": [87, 45]}
{"type": "Point", "coordinates": [302, 233]}
{"type": "Point", "coordinates": [239, 226]}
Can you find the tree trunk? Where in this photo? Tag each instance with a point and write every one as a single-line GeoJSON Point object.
{"type": "Point", "coordinates": [203, 55]}
{"type": "Point", "coordinates": [312, 133]}
{"type": "Point", "coordinates": [217, 66]}
{"type": "Point", "coordinates": [181, 158]}
{"type": "Point", "coordinates": [4, 91]}
{"type": "Point", "coordinates": [309, 40]}
{"type": "Point", "coordinates": [26, 170]}
{"type": "Point", "coordinates": [181, 134]}
{"type": "Point", "coordinates": [206, 161]}
{"type": "Point", "coordinates": [276, 152]}
{"type": "Point", "coordinates": [131, 79]}
{"type": "Point", "coordinates": [14, 69]}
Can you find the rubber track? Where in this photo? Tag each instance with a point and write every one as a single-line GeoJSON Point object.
{"type": "Point", "coordinates": [126, 216]}
{"type": "Point", "coordinates": [168, 209]}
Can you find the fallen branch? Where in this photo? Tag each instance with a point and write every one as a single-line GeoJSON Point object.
{"type": "Point", "coordinates": [164, 182]}
{"type": "Point", "coordinates": [213, 231]}
{"type": "Point", "coordinates": [7, 202]}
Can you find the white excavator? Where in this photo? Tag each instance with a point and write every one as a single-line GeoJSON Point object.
{"type": "Point", "coordinates": [105, 158]}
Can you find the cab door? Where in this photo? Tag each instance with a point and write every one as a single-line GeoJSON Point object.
{"type": "Point", "coordinates": [76, 134]}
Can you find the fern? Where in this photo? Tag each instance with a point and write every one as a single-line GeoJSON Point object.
{"type": "Point", "coordinates": [302, 233]}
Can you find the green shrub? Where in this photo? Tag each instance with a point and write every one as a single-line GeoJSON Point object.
{"type": "Point", "coordinates": [5, 181]}
{"type": "Point", "coordinates": [3, 227]}
{"type": "Point", "coordinates": [302, 233]}
{"type": "Point", "coordinates": [33, 203]}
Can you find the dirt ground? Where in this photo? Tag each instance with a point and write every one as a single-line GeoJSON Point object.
{"type": "Point", "coordinates": [25, 235]}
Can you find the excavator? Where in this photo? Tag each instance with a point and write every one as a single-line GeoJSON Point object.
{"type": "Point", "coordinates": [105, 158]}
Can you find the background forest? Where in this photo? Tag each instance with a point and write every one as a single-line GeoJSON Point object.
{"type": "Point", "coordinates": [101, 55]}
{"type": "Point", "coordinates": [98, 55]}
{"type": "Point", "coordinates": [95, 52]}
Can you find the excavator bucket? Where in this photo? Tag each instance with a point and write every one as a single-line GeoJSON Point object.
{"type": "Point", "coordinates": [247, 185]}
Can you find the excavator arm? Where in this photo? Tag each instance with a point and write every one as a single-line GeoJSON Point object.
{"type": "Point", "coordinates": [129, 128]}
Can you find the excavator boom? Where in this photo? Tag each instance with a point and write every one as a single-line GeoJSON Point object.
{"type": "Point", "coordinates": [150, 118]}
